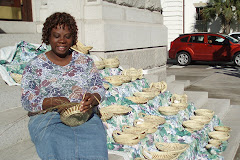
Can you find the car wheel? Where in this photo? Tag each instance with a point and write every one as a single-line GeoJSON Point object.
{"type": "Point", "coordinates": [183, 58]}
{"type": "Point", "coordinates": [236, 59]}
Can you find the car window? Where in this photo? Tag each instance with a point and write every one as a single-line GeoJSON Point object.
{"type": "Point", "coordinates": [215, 40]}
{"type": "Point", "coordinates": [233, 40]}
{"type": "Point", "coordinates": [185, 39]}
{"type": "Point", "coordinates": [197, 39]}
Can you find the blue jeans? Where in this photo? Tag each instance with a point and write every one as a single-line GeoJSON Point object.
{"type": "Point", "coordinates": [56, 141]}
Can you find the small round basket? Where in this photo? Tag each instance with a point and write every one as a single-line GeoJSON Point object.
{"type": "Point", "coordinates": [138, 100]}
{"type": "Point", "coordinates": [116, 109]}
{"type": "Point", "coordinates": [215, 142]}
{"type": "Point", "coordinates": [125, 138]}
{"type": "Point", "coordinates": [168, 110]}
{"type": "Point", "coordinates": [111, 62]}
{"type": "Point", "coordinates": [203, 119]}
{"type": "Point", "coordinates": [152, 118]}
{"type": "Point", "coordinates": [99, 64]}
{"type": "Point", "coordinates": [157, 155]}
{"type": "Point", "coordinates": [222, 136]}
{"type": "Point", "coordinates": [204, 112]}
{"type": "Point", "coordinates": [135, 130]}
{"type": "Point", "coordinates": [171, 147]}
{"type": "Point", "coordinates": [193, 124]}
{"type": "Point", "coordinates": [73, 117]}
{"type": "Point", "coordinates": [148, 95]}
{"type": "Point", "coordinates": [222, 128]}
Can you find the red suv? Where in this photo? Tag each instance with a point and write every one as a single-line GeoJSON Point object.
{"type": "Point", "coordinates": [205, 47]}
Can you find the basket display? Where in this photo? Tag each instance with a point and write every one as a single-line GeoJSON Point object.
{"type": "Point", "coordinates": [99, 64]}
{"type": "Point", "coordinates": [158, 155]}
{"type": "Point", "coordinates": [152, 118]}
{"type": "Point", "coordinates": [193, 124]}
{"type": "Point", "coordinates": [138, 100]}
{"type": "Point", "coordinates": [203, 119]}
{"type": "Point", "coordinates": [222, 128]}
{"type": "Point", "coordinates": [133, 73]}
{"type": "Point", "coordinates": [135, 130]}
{"type": "Point", "coordinates": [111, 62]}
{"type": "Point", "coordinates": [148, 95]}
{"type": "Point", "coordinates": [125, 138]}
{"type": "Point", "coordinates": [168, 110]}
{"type": "Point", "coordinates": [222, 136]}
{"type": "Point", "coordinates": [171, 147]}
{"type": "Point", "coordinates": [204, 112]}
{"type": "Point", "coordinates": [116, 109]}
{"type": "Point", "coordinates": [72, 116]}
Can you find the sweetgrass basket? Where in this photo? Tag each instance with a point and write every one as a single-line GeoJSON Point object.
{"type": "Point", "coordinates": [148, 95]}
{"type": "Point", "coordinates": [222, 136]}
{"type": "Point", "coordinates": [125, 138]}
{"type": "Point", "coordinates": [99, 64]}
{"type": "Point", "coordinates": [116, 109]}
{"type": "Point", "coordinates": [111, 62]}
{"type": "Point", "coordinates": [135, 130]}
{"type": "Point", "coordinates": [151, 128]}
{"type": "Point", "coordinates": [161, 86]}
{"type": "Point", "coordinates": [203, 119]}
{"type": "Point", "coordinates": [105, 115]}
{"type": "Point", "coordinates": [222, 128]}
{"type": "Point", "coordinates": [193, 124]}
{"type": "Point", "coordinates": [168, 110]}
{"type": "Point", "coordinates": [152, 118]}
{"type": "Point", "coordinates": [133, 73]}
{"type": "Point", "coordinates": [72, 116]}
{"type": "Point", "coordinates": [155, 90]}
{"type": "Point", "coordinates": [138, 100]}
{"type": "Point", "coordinates": [204, 112]}
{"type": "Point", "coordinates": [158, 155]}
{"type": "Point", "coordinates": [171, 147]}
{"type": "Point", "coordinates": [215, 142]}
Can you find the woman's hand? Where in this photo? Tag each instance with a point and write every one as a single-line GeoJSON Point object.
{"type": "Point", "coordinates": [89, 101]}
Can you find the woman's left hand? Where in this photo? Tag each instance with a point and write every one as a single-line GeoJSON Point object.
{"type": "Point", "coordinates": [89, 102]}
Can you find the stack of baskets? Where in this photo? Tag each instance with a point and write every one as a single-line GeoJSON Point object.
{"type": "Point", "coordinates": [179, 101]}
{"type": "Point", "coordinates": [204, 112]}
{"type": "Point", "coordinates": [109, 111]}
{"type": "Point", "coordinates": [133, 73]}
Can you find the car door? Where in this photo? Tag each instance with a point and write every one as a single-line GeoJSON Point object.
{"type": "Point", "coordinates": [219, 48]}
{"type": "Point", "coordinates": [198, 47]}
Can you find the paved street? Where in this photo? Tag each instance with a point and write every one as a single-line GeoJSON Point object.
{"type": "Point", "coordinates": [220, 81]}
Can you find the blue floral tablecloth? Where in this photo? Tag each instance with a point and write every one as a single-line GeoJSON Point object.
{"type": "Point", "coordinates": [171, 131]}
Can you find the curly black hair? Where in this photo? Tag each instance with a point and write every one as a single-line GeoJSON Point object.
{"type": "Point", "coordinates": [59, 18]}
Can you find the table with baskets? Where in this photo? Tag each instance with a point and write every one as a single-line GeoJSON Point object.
{"type": "Point", "coordinates": [162, 135]}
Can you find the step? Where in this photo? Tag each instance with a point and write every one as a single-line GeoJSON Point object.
{"type": "Point", "coordinates": [199, 99]}
{"type": "Point", "coordinates": [12, 39]}
{"type": "Point", "coordinates": [10, 97]}
{"type": "Point", "coordinates": [170, 78]}
{"type": "Point", "coordinates": [232, 120]}
{"type": "Point", "coordinates": [13, 127]}
{"type": "Point", "coordinates": [186, 83]}
{"type": "Point", "coordinates": [175, 87]}
{"type": "Point", "coordinates": [219, 106]}
{"type": "Point", "coordinates": [25, 150]}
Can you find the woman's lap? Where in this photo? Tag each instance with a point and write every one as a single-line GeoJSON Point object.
{"type": "Point", "coordinates": [55, 140]}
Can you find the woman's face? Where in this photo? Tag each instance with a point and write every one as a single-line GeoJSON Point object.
{"type": "Point", "coordinates": [61, 40]}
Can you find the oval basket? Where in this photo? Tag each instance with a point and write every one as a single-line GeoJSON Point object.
{"type": "Point", "coordinates": [155, 90]}
{"type": "Point", "coordinates": [99, 64]}
{"type": "Point", "coordinates": [148, 95]}
{"type": "Point", "coordinates": [152, 118]}
{"type": "Point", "coordinates": [204, 112]}
{"type": "Point", "coordinates": [180, 106]}
{"type": "Point", "coordinates": [105, 115]}
{"type": "Point", "coordinates": [222, 136]}
{"type": "Point", "coordinates": [133, 73]}
{"type": "Point", "coordinates": [203, 119]}
{"type": "Point", "coordinates": [135, 130]}
{"type": "Point", "coordinates": [222, 128]}
{"type": "Point", "coordinates": [138, 100]}
{"type": "Point", "coordinates": [157, 155]}
{"type": "Point", "coordinates": [151, 128]}
{"type": "Point", "coordinates": [171, 147]}
{"type": "Point", "coordinates": [125, 139]}
{"type": "Point", "coordinates": [168, 110]}
{"type": "Point", "coordinates": [215, 142]}
{"type": "Point", "coordinates": [73, 117]}
{"type": "Point", "coordinates": [193, 124]}
{"type": "Point", "coordinates": [116, 109]}
{"type": "Point", "coordinates": [111, 62]}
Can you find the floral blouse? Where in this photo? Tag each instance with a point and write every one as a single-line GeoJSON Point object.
{"type": "Point", "coordinates": [44, 79]}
